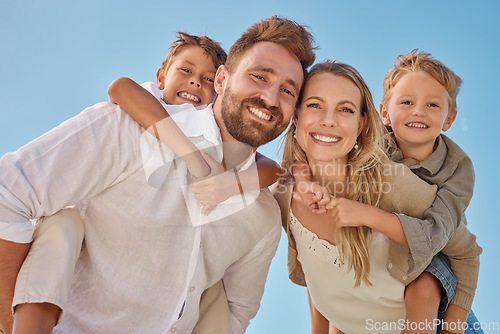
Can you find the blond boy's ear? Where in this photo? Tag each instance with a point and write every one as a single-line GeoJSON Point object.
{"type": "Point", "coordinates": [160, 78]}
{"type": "Point", "coordinates": [449, 120]}
{"type": "Point", "coordinates": [384, 115]}
{"type": "Point", "coordinates": [221, 77]}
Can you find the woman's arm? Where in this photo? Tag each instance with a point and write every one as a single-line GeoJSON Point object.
{"type": "Point", "coordinates": [145, 109]}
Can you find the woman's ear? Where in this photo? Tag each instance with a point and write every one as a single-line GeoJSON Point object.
{"type": "Point", "coordinates": [384, 115]}
{"type": "Point", "coordinates": [362, 123]}
{"type": "Point", "coordinates": [221, 77]}
{"type": "Point", "coordinates": [160, 78]}
{"type": "Point", "coordinates": [295, 117]}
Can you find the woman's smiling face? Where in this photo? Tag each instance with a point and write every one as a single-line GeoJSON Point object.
{"type": "Point", "coordinates": [330, 118]}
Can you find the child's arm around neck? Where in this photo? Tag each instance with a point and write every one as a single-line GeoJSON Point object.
{"type": "Point", "coordinates": [145, 109]}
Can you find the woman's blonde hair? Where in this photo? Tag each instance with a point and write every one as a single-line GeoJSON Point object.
{"type": "Point", "coordinates": [365, 170]}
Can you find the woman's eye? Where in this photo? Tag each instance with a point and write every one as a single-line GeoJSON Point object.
{"type": "Point", "coordinates": [312, 105]}
{"type": "Point", "coordinates": [185, 70]}
{"type": "Point", "coordinates": [348, 110]}
{"type": "Point", "coordinates": [406, 102]}
{"type": "Point", "coordinates": [433, 105]}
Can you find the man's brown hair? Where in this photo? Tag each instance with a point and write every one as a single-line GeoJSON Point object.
{"type": "Point", "coordinates": [211, 48]}
{"type": "Point", "coordinates": [281, 31]}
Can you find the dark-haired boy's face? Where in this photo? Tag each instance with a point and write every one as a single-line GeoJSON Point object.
{"type": "Point", "coordinates": [259, 97]}
{"type": "Point", "coordinates": [189, 79]}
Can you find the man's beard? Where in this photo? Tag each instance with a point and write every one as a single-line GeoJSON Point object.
{"type": "Point", "coordinates": [247, 130]}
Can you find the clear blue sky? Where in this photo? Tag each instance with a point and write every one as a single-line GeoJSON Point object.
{"type": "Point", "coordinates": [58, 57]}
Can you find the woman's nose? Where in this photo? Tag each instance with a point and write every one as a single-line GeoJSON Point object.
{"type": "Point", "coordinates": [329, 119]}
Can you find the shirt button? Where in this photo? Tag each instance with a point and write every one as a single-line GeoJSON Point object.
{"type": "Point", "coordinates": [191, 289]}
{"type": "Point", "coordinates": [201, 244]}
{"type": "Point", "coordinates": [389, 265]}
{"type": "Point", "coordinates": [173, 329]}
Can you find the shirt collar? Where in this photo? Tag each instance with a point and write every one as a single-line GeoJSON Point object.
{"type": "Point", "coordinates": [432, 164]}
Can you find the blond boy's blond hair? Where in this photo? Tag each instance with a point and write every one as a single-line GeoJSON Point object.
{"type": "Point", "coordinates": [422, 62]}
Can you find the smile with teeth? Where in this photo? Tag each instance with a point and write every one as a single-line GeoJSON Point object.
{"type": "Point", "coordinates": [325, 139]}
{"type": "Point", "coordinates": [259, 114]}
{"type": "Point", "coordinates": [417, 125]}
{"type": "Point", "coordinates": [188, 96]}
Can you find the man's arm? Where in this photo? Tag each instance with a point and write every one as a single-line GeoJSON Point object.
{"type": "Point", "coordinates": [245, 279]}
{"type": "Point", "coordinates": [12, 255]}
{"type": "Point", "coordinates": [74, 161]}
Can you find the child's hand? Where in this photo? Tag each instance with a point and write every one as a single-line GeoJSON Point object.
{"type": "Point", "coordinates": [346, 212]}
{"type": "Point", "coordinates": [314, 196]}
{"type": "Point", "coordinates": [216, 187]}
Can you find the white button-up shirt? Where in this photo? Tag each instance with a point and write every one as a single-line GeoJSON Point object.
{"type": "Point", "coordinates": [145, 260]}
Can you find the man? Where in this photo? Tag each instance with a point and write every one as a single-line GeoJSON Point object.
{"type": "Point", "coordinates": [145, 264]}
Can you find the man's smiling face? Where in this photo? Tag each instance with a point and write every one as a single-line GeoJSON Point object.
{"type": "Point", "coordinates": [259, 97]}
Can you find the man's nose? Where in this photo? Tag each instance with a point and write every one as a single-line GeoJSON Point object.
{"type": "Point", "coordinates": [270, 95]}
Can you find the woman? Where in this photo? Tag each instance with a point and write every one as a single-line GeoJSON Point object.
{"type": "Point", "coordinates": [345, 260]}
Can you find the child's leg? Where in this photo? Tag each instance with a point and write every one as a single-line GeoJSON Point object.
{"type": "Point", "coordinates": [214, 311]}
{"type": "Point", "coordinates": [44, 281]}
{"type": "Point", "coordinates": [422, 297]}
{"type": "Point", "coordinates": [429, 293]}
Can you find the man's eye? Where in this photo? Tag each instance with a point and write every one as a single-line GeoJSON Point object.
{"type": "Point", "coordinates": [406, 102]}
{"type": "Point", "coordinates": [210, 80]}
{"type": "Point", "coordinates": [259, 77]}
{"type": "Point", "coordinates": [433, 105]}
{"type": "Point", "coordinates": [289, 92]}
{"type": "Point", "coordinates": [185, 70]}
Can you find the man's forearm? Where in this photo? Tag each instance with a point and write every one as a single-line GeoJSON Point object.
{"type": "Point", "coordinates": [11, 258]}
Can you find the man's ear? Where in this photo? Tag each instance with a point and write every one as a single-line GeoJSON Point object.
{"type": "Point", "coordinates": [220, 81]}
{"type": "Point", "coordinates": [160, 78]}
{"type": "Point", "coordinates": [384, 115]}
{"type": "Point", "coordinates": [449, 120]}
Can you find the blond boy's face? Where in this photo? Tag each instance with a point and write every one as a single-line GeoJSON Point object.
{"type": "Point", "coordinates": [418, 110]}
{"type": "Point", "coordinates": [189, 79]}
